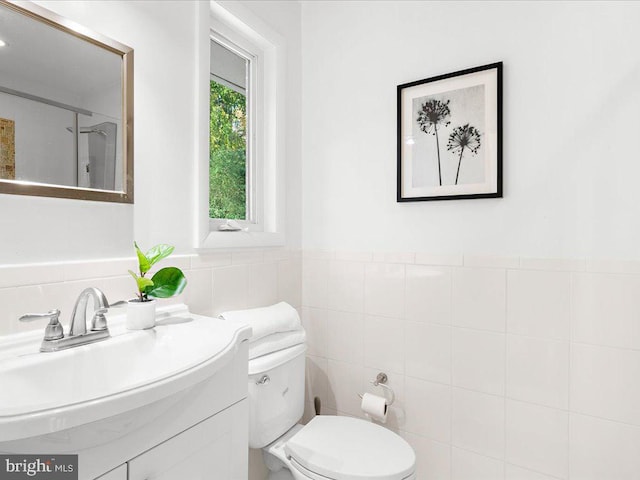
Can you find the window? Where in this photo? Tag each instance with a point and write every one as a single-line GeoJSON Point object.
{"type": "Point", "coordinates": [230, 164]}
{"type": "Point", "coordinates": [241, 148]}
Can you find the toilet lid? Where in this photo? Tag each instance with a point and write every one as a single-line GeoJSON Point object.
{"type": "Point", "coordinates": [345, 448]}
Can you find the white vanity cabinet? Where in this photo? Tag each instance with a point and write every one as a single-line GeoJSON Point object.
{"type": "Point", "coordinates": [211, 449]}
{"type": "Point", "coordinates": [119, 473]}
{"type": "Point", "coordinates": [214, 448]}
{"type": "Point", "coordinates": [200, 434]}
{"type": "Point", "coordinates": [168, 403]}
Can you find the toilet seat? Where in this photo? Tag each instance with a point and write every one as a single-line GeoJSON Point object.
{"type": "Point", "coordinates": [345, 448]}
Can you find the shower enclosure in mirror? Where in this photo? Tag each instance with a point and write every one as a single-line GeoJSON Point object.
{"type": "Point", "coordinates": [66, 108]}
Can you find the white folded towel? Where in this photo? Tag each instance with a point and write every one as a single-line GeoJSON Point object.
{"type": "Point", "coordinates": [277, 318]}
{"type": "Point", "coordinates": [275, 342]}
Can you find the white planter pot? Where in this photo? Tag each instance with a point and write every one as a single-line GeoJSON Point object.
{"type": "Point", "coordinates": [141, 315]}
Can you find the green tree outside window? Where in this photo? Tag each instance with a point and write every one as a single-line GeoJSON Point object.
{"type": "Point", "coordinates": [227, 153]}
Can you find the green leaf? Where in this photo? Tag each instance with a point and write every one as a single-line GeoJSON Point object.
{"type": "Point", "coordinates": [143, 261]}
{"type": "Point", "coordinates": [167, 282]}
{"type": "Point", "coordinates": [159, 252]}
{"type": "Point", "coordinates": [142, 282]}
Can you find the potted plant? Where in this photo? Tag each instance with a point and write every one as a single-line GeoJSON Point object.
{"type": "Point", "coordinates": [166, 282]}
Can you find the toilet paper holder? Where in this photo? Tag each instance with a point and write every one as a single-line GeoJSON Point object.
{"type": "Point", "coordinates": [381, 381]}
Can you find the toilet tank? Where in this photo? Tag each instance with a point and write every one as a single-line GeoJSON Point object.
{"type": "Point", "coordinates": [276, 394]}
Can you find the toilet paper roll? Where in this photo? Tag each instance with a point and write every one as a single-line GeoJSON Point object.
{"type": "Point", "coordinates": [374, 407]}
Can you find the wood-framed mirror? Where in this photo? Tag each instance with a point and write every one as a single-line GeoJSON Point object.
{"type": "Point", "coordinates": [66, 108]}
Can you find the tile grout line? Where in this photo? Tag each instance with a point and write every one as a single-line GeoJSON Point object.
{"type": "Point", "coordinates": [506, 360]}
{"type": "Point", "coordinates": [466, 449]}
{"type": "Point", "coordinates": [569, 369]}
{"type": "Point", "coordinates": [529, 469]}
{"type": "Point", "coordinates": [451, 372]}
{"type": "Point", "coordinates": [404, 326]}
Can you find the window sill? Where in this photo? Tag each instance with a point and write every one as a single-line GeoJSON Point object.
{"type": "Point", "coordinates": [242, 239]}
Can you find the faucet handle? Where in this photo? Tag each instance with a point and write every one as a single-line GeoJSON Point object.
{"type": "Point", "coordinates": [54, 330]}
{"type": "Point", "coordinates": [99, 321]}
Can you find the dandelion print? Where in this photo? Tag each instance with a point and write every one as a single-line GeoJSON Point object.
{"type": "Point", "coordinates": [463, 138]}
{"type": "Point", "coordinates": [431, 114]}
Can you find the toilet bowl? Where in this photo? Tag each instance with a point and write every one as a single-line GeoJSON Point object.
{"type": "Point", "coordinates": [326, 448]}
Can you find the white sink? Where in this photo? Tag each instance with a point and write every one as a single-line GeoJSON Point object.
{"type": "Point", "coordinates": [43, 393]}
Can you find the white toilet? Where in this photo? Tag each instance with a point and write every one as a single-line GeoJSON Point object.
{"type": "Point", "coordinates": [328, 447]}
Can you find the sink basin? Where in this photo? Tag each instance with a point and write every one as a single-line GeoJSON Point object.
{"type": "Point", "coordinates": [43, 393]}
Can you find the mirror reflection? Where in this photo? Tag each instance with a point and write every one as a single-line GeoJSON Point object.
{"type": "Point", "coordinates": [62, 105]}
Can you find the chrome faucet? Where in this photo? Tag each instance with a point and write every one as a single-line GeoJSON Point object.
{"type": "Point", "coordinates": [54, 338]}
{"type": "Point", "coordinates": [79, 316]}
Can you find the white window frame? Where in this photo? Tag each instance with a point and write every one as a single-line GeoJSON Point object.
{"type": "Point", "coordinates": [254, 212]}
{"type": "Point", "coordinates": [237, 26]}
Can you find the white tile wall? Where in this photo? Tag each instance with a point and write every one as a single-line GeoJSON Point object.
{"type": "Point", "coordinates": [538, 371]}
{"type": "Point", "coordinates": [428, 409]}
{"type": "Point", "coordinates": [383, 344]}
{"type": "Point", "coordinates": [290, 281]}
{"type": "Point", "coordinates": [345, 382]}
{"type": "Point", "coordinates": [433, 458]}
{"type": "Point", "coordinates": [505, 368]}
{"type": "Point", "coordinates": [428, 294]}
{"type": "Point", "coordinates": [492, 261]}
{"type": "Point", "coordinates": [605, 382]}
{"type": "Point", "coordinates": [314, 321]}
{"type": "Point", "coordinates": [345, 339]}
{"type": "Point", "coordinates": [538, 303]}
{"type": "Point", "coordinates": [478, 360]}
{"type": "Point", "coordinates": [230, 287]}
{"type": "Point", "coordinates": [602, 449]}
{"type": "Point", "coordinates": [346, 286]}
{"type": "Point", "coordinates": [384, 289]}
{"type": "Point", "coordinates": [317, 380]}
{"type": "Point", "coordinates": [466, 465]}
{"type": "Point", "coordinates": [606, 309]}
{"type": "Point", "coordinates": [315, 280]}
{"type": "Point", "coordinates": [394, 257]}
{"type": "Point", "coordinates": [513, 472]}
{"type": "Point", "coordinates": [216, 282]}
{"type": "Point", "coordinates": [427, 351]}
{"type": "Point", "coordinates": [20, 275]}
{"type": "Point", "coordinates": [479, 298]}
{"type": "Point", "coordinates": [478, 422]}
{"type": "Point", "coordinates": [262, 285]}
{"type": "Point", "coordinates": [537, 438]}
{"type": "Point", "coordinates": [198, 294]}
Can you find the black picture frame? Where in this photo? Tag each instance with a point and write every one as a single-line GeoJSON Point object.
{"type": "Point", "coordinates": [457, 113]}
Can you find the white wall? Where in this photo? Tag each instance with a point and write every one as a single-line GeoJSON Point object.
{"type": "Point", "coordinates": [43, 146]}
{"type": "Point", "coordinates": [163, 114]}
{"type": "Point", "coordinates": [284, 17]}
{"type": "Point", "coordinates": [51, 249]}
{"type": "Point", "coordinates": [54, 230]}
{"type": "Point", "coordinates": [510, 339]}
{"type": "Point", "coordinates": [570, 100]}
{"type": "Point", "coordinates": [543, 353]}
{"type": "Point", "coordinates": [162, 34]}
{"type": "Point", "coordinates": [60, 235]}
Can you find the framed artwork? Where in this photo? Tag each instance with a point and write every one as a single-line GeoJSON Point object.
{"type": "Point", "coordinates": [7, 149]}
{"type": "Point", "coordinates": [450, 136]}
